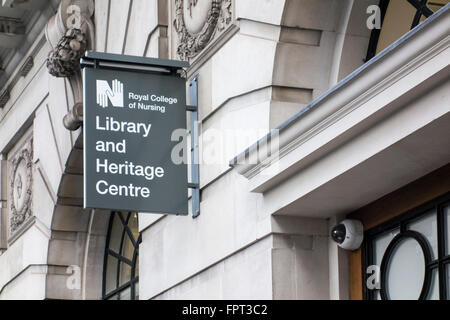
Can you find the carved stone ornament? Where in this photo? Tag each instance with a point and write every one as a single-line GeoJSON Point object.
{"type": "Point", "coordinates": [197, 22]}
{"type": "Point", "coordinates": [70, 33]}
{"type": "Point", "coordinates": [21, 181]}
{"type": "Point", "coordinates": [64, 61]}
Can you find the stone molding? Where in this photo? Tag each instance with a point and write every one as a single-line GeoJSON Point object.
{"type": "Point", "coordinates": [385, 70]}
{"type": "Point", "coordinates": [218, 18]}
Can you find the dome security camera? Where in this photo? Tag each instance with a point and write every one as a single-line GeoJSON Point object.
{"type": "Point", "coordinates": [348, 234]}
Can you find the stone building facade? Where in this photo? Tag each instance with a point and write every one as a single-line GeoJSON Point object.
{"type": "Point", "coordinates": [361, 118]}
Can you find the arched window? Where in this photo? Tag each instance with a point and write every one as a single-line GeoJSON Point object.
{"type": "Point", "coordinates": [121, 264]}
{"type": "Point", "coordinates": [398, 17]}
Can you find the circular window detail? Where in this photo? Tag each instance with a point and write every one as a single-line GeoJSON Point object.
{"type": "Point", "coordinates": [411, 280]}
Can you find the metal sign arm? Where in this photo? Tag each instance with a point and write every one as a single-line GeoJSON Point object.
{"type": "Point", "coordinates": [194, 185]}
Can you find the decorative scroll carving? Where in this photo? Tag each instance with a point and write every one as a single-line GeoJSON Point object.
{"type": "Point", "coordinates": [64, 61]}
{"type": "Point", "coordinates": [218, 18]}
{"type": "Point", "coordinates": [21, 183]}
{"type": "Point", "coordinates": [225, 15]}
{"type": "Point", "coordinates": [70, 33]}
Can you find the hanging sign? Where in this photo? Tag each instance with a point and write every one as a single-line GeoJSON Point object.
{"type": "Point", "coordinates": [134, 111]}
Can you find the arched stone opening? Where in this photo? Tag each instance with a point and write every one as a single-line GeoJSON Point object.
{"type": "Point", "coordinates": [320, 43]}
{"type": "Point", "coordinates": [77, 245]}
{"type": "Point", "coordinates": [77, 240]}
{"type": "Point", "coordinates": [78, 236]}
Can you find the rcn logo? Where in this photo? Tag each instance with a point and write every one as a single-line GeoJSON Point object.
{"type": "Point", "coordinates": [114, 94]}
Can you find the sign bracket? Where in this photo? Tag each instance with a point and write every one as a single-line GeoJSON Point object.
{"type": "Point", "coordinates": [194, 185]}
{"type": "Point", "coordinates": [191, 108]}
{"type": "Point", "coordinates": [133, 64]}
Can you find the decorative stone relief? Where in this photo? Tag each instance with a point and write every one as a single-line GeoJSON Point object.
{"type": "Point", "coordinates": [21, 182]}
{"type": "Point", "coordinates": [70, 33]}
{"type": "Point", "coordinates": [64, 61]}
{"type": "Point", "coordinates": [197, 22]}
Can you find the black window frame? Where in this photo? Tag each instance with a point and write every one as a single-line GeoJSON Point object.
{"type": "Point", "coordinates": [422, 10]}
{"type": "Point", "coordinates": [440, 262]}
{"type": "Point", "coordinates": [134, 281]}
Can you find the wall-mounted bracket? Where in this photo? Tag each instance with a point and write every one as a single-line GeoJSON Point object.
{"type": "Point", "coordinates": [192, 108]}
{"type": "Point", "coordinates": [93, 59]}
{"type": "Point", "coordinates": [194, 185]}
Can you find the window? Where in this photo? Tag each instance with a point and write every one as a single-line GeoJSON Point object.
{"type": "Point", "coordinates": [413, 255]}
{"type": "Point", "coordinates": [121, 265]}
{"type": "Point", "coordinates": [398, 18]}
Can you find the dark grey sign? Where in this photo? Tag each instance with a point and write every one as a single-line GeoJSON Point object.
{"type": "Point", "coordinates": [129, 122]}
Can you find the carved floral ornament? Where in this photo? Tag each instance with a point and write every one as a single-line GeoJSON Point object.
{"type": "Point", "coordinates": [70, 33]}
{"type": "Point", "coordinates": [64, 60]}
{"type": "Point", "coordinates": [197, 22]}
{"type": "Point", "coordinates": [21, 180]}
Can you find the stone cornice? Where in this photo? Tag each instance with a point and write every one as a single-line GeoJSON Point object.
{"type": "Point", "coordinates": [394, 63]}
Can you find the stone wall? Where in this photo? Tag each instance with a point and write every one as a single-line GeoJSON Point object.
{"type": "Point", "coordinates": [258, 63]}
